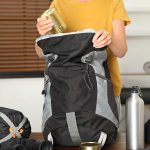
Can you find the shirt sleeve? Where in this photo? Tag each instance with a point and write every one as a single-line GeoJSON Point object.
{"type": "Point", "coordinates": [120, 12]}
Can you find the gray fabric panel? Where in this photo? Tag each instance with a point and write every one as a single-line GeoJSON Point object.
{"type": "Point", "coordinates": [47, 111]}
{"type": "Point", "coordinates": [73, 128]}
{"type": "Point", "coordinates": [14, 129]}
{"type": "Point", "coordinates": [102, 106]}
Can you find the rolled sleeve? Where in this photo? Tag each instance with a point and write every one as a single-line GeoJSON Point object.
{"type": "Point", "coordinates": [120, 12]}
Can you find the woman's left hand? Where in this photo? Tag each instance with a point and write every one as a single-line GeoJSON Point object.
{"type": "Point", "coordinates": [101, 39]}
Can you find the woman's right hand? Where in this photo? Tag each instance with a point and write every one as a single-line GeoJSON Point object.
{"type": "Point", "coordinates": [44, 25]}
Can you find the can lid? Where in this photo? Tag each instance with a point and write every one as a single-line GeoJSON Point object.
{"type": "Point", "coordinates": [136, 89]}
{"type": "Point", "coordinates": [48, 12]}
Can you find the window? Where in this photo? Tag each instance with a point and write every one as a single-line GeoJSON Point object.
{"type": "Point", "coordinates": [17, 37]}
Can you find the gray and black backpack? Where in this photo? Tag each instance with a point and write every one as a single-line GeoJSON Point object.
{"type": "Point", "coordinates": [13, 126]}
{"type": "Point", "coordinates": [79, 100]}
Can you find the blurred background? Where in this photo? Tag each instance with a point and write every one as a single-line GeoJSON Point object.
{"type": "Point", "coordinates": [21, 71]}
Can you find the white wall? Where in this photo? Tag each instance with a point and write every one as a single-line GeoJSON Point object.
{"type": "Point", "coordinates": [25, 94]}
{"type": "Point", "coordinates": [138, 38]}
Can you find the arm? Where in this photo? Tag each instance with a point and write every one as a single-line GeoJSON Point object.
{"type": "Point", "coordinates": [43, 26]}
{"type": "Point", "coordinates": [38, 51]}
{"type": "Point", "coordinates": [116, 43]}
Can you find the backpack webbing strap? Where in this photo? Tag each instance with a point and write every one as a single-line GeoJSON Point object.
{"type": "Point", "coordinates": [73, 128]}
{"type": "Point", "coordinates": [102, 138]}
{"type": "Point", "coordinates": [14, 129]}
{"type": "Point", "coordinates": [50, 138]}
{"type": "Point", "coordinates": [22, 123]}
{"type": "Point", "coordinates": [9, 136]}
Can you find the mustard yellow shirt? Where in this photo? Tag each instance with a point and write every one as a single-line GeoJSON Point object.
{"type": "Point", "coordinates": [95, 14]}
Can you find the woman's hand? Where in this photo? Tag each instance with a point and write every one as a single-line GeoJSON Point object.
{"type": "Point", "coordinates": [44, 25]}
{"type": "Point", "coordinates": [101, 39]}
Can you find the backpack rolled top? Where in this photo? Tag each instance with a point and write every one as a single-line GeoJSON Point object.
{"type": "Point", "coordinates": [79, 103]}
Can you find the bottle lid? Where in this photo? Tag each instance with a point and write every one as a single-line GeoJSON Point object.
{"type": "Point", "coordinates": [136, 89]}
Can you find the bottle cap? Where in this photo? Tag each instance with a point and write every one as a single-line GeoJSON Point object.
{"type": "Point", "coordinates": [136, 89]}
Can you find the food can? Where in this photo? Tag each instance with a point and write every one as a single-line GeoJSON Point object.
{"type": "Point", "coordinates": [59, 24]}
{"type": "Point", "coordinates": [90, 146]}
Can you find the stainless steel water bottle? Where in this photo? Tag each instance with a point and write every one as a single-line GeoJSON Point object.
{"type": "Point", "coordinates": [135, 120]}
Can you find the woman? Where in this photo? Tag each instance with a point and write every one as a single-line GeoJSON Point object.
{"type": "Point", "coordinates": [107, 17]}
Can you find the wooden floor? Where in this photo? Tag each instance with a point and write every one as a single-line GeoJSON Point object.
{"type": "Point", "coordinates": [119, 145]}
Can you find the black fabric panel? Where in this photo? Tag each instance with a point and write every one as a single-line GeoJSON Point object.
{"type": "Point", "coordinates": [69, 90]}
{"type": "Point", "coordinates": [89, 125]}
{"type": "Point", "coordinates": [54, 122]}
{"type": "Point", "coordinates": [111, 96]}
{"type": "Point", "coordinates": [107, 73]}
{"type": "Point", "coordinates": [72, 45]}
{"type": "Point", "coordinates": [147, 131]}
{"type": "Point", "coordinates": [9, 145]}
{"type": "Point", "coordinates": [61, 137]}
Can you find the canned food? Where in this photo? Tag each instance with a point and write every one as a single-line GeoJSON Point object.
{"type": "Point", "coordinates": [90, 146]}
{"type": "Point", "coordinates": [59, 25]}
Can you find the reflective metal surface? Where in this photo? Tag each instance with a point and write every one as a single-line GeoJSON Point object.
{"type": "Point", "coordinates": [90, 146]}
{"type": "Point", "coordinates": [59, 25]}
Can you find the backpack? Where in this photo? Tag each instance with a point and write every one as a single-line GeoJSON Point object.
{"type": "Point", "coordinates": [13, 126]}
{"type": "Point", "coordinates": [79, 101]}
{"type": "Point", "coordinates": [147, 131]}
